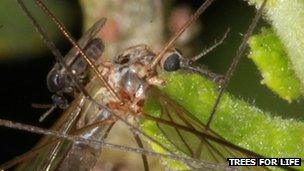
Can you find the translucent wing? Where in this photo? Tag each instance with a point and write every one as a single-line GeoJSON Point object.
{"type": "Point", "coordinates": [192, 137]}
{"type": "Point", "coordinates": [84, 157]}
{"type": "Point", "coordinates": [83, 41]}
{"type": "Point", "coordinates": [56, 154]}
{"type": "Point", "coordinates": [55, 148]}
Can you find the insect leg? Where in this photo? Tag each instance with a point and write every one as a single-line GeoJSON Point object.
{"type": "Point", "coordinates": [173, 39]}
{"type": "Point", "coordinates": [52, 47]}
{"type": "Point", "coordinates": [97, 143]}
{"type": "Point", "coordinates": [58, 55]}
{"type": "Point", "coordinates": [136, 130]}
{"type": "Point", "coordinates": [89, 154]}
{"type": "Point", "coordinates": [28, 155]}
{"type": "Point", "coordinates": [143, 156]}
{"type": "Point", "coordinates": [179, 134]}
{"type": "Point", "coordinates": [236, 60]}
{"type": "Point", "coordinates": [215, 145]}
{"type": "Point", "coordinates": [25, 156]}
{"type": "Point", "coordinates": [75, 44]}
{"type": "Point", "coordinates": [204, 135]}
{"type": "Point", "coordinates": [55, 150]}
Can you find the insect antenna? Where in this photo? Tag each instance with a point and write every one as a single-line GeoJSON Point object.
{"type": "Point", "coordinates": [98, 143]}
{"type": "Point", "coordinates": [236, 60]}
{"type": "Point", "coordinates": [68, 35]}
{"type": "Point", "coordinates": [41, 106]}
{"type": "Point", "coordinates": [211, 48]}
{"type": "Point", "coordinates": [58, 56]}
{"type": "Point", "coordinates": [187, 63]}
{"type": "Point", "coordinates": [50, 110]}
{"type": "Point", "coordinates": [103, 106]}
{"type": "Point", "coordinates": [47, 113]}
{"type": "Point", "coordinates": [173, 39]}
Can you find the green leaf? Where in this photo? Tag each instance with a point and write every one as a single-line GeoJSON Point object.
{"type": "Point", "coordinates": [287, 20]}
{"type": "Point", "coordinates": [236, 120]}
{"type": "Point", "coordinates": [269, 55]}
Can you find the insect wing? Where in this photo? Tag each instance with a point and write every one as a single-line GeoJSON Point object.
{"type": "Point", "coordinates": [83, 41]}
{"type": "Point", "coordinates": [89, 154]}
{"type": "Point", "coordinates": [190, 136]}
{"type": "Point", "coordinates": [55, 149]}
{"type": "Point", "coordinates": [56, 154]}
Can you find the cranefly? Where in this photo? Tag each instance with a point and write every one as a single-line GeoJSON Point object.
{"type": "Point", "coordinates": [126, 81]}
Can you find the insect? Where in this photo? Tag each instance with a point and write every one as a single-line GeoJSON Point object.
{"type": "Point", "coordinates": [58, 80]}
{"type": "Point", "coordinates": [126, 81]}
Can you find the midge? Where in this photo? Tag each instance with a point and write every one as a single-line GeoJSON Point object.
{"type": "Point", "coordinates": [58, 79]}
{"type": "Point", "coordinates": [120, 88]}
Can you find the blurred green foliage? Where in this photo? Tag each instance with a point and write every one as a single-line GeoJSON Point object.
{"type": "Point", "coordinates": [268, 53]}
{"type": "Point", "coordinates": [287, 20]}
{"type": "Point", "coordinates": [245, 83]}
{"type": "Point", "coordinates": [18, 39]}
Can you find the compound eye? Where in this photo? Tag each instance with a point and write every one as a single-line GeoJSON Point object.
{"type": "Point", "coordinates": [53, 81]}
{"type": "Point", "coordinates": [172, 62]}
{"type": "Point", "coordinates": [122, 59]}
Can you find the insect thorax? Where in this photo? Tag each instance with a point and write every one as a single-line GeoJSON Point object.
{"type": "Point", "coordinates": [125, 74]}
{"type": "Point", "coordinates": [128, 75]}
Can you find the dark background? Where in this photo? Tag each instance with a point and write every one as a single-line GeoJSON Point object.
{"type": "Point", "coordinates": [23, 68]}
{"type": "Point", "coordinates": [23, 73]}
